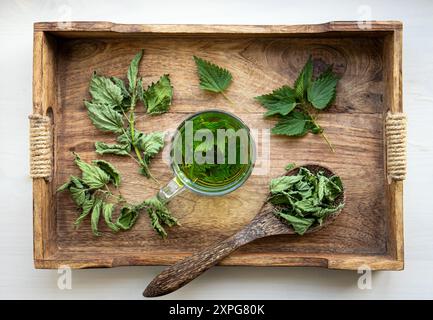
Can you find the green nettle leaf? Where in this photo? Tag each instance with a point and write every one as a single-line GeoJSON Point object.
{"type": "Point", "coordinates": [127, 218]}
{"type": "Point", "coordinates": [117, 149]}
{"type": "Point", "coordinates": [159, 215]}
{"type": "Point", "coordinates": [112, 103]}
{"type": "Point", "coordinates": [307, 205]}
{"type": "Point", "coordinates": [104, 117]}
{"type": "Point", "coordinates": [323, 212]}
{"type": "Point", "coordinates": [283, 183]}
{"type": "Point", "coordinates": [293, 106]}
{"type": "Point", "coordinates": [158, 96]}
{"type": "Point", "coordinates": [107, 211]}
{"type": "Point", "coordinates": [294, 124]}
{"type": "Point", "coordinates": [104, 91]}
{"type": "Point", "coordinates": [290, 166]}
{"type": "Point", "coordinates": [126, 102]}
{"type": "Point", "coordinates": [333, 188]}
{"type": "Point", "coordinates": [322, 91]}
{"type": "Point", "coordinates": [86, 208]}
{"type": "Point", "coordinates": [76, 188]}
{"type": "Point", "coordinates": [78, 195]}
{"type": "Point", "coordinates": [281, 101]}
{"type": "Point", "coordinates": [109, 169]}
{"type": "Point", "coordinates": [336, 180]}
{"type": "Point", "coordinates": [93, 176]}
{"type": "Point", "coordinates": [140, 90]}
{"type": "Point", "coordinates": [304, 79]}
{"type": "Point", "coordinates": [65, 186]}
{"type": "Point", "coordinates": [125, 138]}
{"type": "Point", "coordinates": [133, 71]}
{"type": "Point", "coordinates": [207, 145]}
{"type": "Point", "coordinates": [299, 224]}
{"type": "Point", "coordinates": [94, 219]}
{"type": "Point", "coordinates": [212, 77]}
{"type": "Point", "coordinates": [121, 84]}
{"type": "Point", "coordinates": [156, 224]}
{"type": "Point", "coordinates": [306, 198]}
{"type": "Point", "coordinates": [321, 186]}
{"type": "Point", "coordinates": [151, 143]}
{"type": "Point", "coordinates": [109, 114]}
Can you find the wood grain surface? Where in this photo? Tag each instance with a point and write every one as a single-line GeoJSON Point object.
{"type": "Point", "coordinates": [264, 224]}
{"type": "Point", "coordinates": [259, 64]}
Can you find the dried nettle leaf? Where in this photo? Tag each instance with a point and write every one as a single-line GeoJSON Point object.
{"type": "Point", "coordinates": [91, 193]}
{"type": "Point", "coordinates": [305, 199]}
{"type": "Point", "coordinates": [109, 169]}
{"type": "Point", "coordinates": [160, 215]}
{"type": "Point", "coordinates": [107, 211]}
{"type": "Point", "coordinates": [117, 149]}
{"type": "Point", "coordinates": [128, 216]}
{"type": "Point", "coordinates": [92, 175]}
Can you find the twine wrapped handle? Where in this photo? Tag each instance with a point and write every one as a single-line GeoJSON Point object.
{"type": "Point", "coordinates": [40, 146]}
{"type": "Point", "coordinates": [395, 128]}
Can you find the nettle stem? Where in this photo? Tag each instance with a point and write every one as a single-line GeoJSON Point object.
{"type": "Point", "coordinates": [108, 194]}
{"type": "Point", "coordinates": [131, 121]}
{"type": "Point", "coordinates": [327, 141]}
{"type": "Point", "coordinates": [228, 99]}
{"type": "Point", "coordinates": [322, 131]}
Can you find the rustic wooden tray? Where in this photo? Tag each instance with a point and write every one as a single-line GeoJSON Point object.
{"type": "Point", "coordinates": [261, 58]}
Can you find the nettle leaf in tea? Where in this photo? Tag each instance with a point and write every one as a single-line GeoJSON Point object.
{"type": "Point", "coordinates": [305, 199]}
{"type": "Point", "coordinates": [298, 107]}
{"type": "Point", "coordinates": [213, 150]}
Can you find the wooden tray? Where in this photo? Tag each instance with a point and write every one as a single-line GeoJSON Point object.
{"type": "Point", "coordinates": [261, 58]}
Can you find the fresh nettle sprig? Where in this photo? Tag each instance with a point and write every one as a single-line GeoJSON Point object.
{"type": "Point", "coordinates": [91, 192]}
{"type": "Point", "coordinates": [213, 78]}
{"type": "Point", "coordinates": [113, 107]}
{"type": "Point", "coordinates": [298, 107]}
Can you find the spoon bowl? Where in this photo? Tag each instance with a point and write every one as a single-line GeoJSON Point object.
{"type": "Point", "coordinates": [264, 224]}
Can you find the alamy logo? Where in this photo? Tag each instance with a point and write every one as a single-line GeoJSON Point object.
{"type": "Point", "coordinates": [365, 280]}
{"type": "Point", "coordinates": [221, 146]}
{"type": "Point", "coordinates": [64, 282]}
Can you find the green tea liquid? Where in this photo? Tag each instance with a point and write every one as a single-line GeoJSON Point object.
{"type": "Point", "coordinates": [227, 155]}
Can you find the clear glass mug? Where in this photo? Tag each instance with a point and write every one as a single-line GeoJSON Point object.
{"type": "Point", "coordinates": [182, 181]}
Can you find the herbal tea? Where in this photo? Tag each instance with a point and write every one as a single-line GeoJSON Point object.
{"type": "Point", "coordinates": [214, 150]}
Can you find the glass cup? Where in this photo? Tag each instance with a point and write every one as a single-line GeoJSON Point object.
{"type": "Point", "coordinates": [234, 148]}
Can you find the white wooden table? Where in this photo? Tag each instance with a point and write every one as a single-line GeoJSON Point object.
{"type": "Point", "coordinates": [18, 278]}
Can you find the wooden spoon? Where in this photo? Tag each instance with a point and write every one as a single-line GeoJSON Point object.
{"type": "Point", "coordinates": [264, 224]}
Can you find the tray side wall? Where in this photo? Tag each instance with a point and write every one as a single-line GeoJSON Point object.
{"type": "Point", "coordinates": [44, 102]}
{"type": "Point", "coordinates": [394, 104]}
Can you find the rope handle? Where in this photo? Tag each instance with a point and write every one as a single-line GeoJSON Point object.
{"type": "Point", "coordinates": [40, 146]}
{"type": "Point", "coordinates": [395, 129]}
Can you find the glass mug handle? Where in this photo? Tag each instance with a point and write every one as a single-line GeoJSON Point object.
{"type": "Point", "coordinates": [172, 189]}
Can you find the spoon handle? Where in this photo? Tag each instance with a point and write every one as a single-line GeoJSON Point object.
{"type": "Point", "coordinates": [181, 273]}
